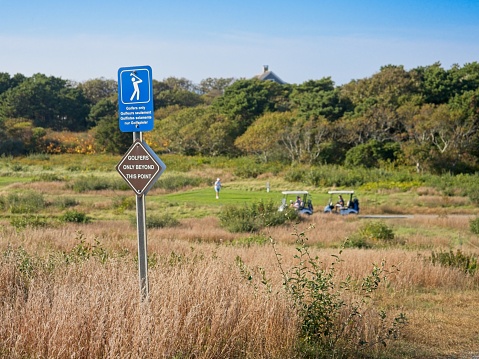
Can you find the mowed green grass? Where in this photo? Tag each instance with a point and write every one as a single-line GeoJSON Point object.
{"type": "Point", "coordinates": [6, 181]}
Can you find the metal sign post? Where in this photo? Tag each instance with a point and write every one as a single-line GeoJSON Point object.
{"type": "Point", "coordinates": [142, 241]}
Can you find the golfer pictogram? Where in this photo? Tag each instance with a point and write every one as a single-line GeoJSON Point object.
{"type": "Point", "coordinates": [136, 81]}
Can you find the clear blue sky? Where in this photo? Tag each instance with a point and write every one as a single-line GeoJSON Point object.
{"type": "Point", "coordinates": [196, 39]}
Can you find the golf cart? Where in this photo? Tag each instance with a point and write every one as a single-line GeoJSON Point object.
{"type": "Point", "coordinates": [351, 206]}
{"type": "Point", "coordinates": [300, 200]}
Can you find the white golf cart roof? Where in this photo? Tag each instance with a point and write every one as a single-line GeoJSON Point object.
{"type": "Point", "coordinates": [295, 192]}
{"type": "Point", "coordinates": [340, 192]}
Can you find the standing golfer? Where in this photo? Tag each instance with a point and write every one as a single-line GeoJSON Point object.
{"type": "Point", "coordinates": [217, 188]}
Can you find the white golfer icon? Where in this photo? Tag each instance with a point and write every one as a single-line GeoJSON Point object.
{"type": "Point", "coordinates": [136, 80]}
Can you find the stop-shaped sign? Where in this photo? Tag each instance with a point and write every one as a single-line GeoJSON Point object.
{"type": "Point", "coordinates": [140, 167]}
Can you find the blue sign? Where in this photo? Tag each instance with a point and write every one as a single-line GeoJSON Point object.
{"type": "Point", "coordinates": [135, 99]}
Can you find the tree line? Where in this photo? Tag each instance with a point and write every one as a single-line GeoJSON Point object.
{"type": "Point", "coordinates": [425, 117]}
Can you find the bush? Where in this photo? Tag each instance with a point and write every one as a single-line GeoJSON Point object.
{"type": "Point", "coordinates": [25, 202]}
{"type": "Point", "coordinates": [65, 202]}
{"type": "Point", "coordinates": [157, 221]}
{"type": "Point", "coordinates": [75, 217]}
{"type": "Point", "coordinates": [172, 183]}
{"type": "Point", "coordinates": [369, 235]}
{"type": "Point", "coordinates": [474, 225]}
{"type": "Point", "coordinates": [49, 177]}
{"type": "Point", "coordinates": [92, 183]}
{"type": "Point", "coordinates": [123, 203]}
{"type": "Point", "coordinates": [252, 218]}
{"type": "Point", "coordinates": [333, 324]}
{"type": "Point", "coordinates": [22, 222]}
{"type": "Point", "coordinates": [467, 263]}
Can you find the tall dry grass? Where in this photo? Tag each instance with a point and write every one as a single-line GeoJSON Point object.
{"type": "Point", "coordinates": [93, 310]}
{"type": "Point", "coordinates": [200, 304]}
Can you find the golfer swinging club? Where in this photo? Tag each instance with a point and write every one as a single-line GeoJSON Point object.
{"type": "Point", "coordinates": [136, 80]}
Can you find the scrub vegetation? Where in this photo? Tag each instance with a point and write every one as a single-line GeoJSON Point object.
{"type": "Point", "coordinates": [319, 286]}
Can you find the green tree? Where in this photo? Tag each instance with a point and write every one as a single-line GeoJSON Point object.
{"type": "Point", "coordinates": [246, 100]}
{"type": "Point", "coordinates": [372, 154]}
{"type": "Point", "coordinates": [100, 89]}
{"type": "Point", "coordinates": [175, 91]}
{"type": "Point", "coordinates": [109, 138]}
{"type": "Point", "coordinates": [49, 102]}
{"type": "Point", "coordinates": [197, 130]}
{"type": "Point", "coordinates": [105, 107]}
{"type": "Point", "coordinates": [319, 98]}
{"type": "Point", "coordinates": [212, 88]}
{"type": "Point", "coordinates": [263, 136]}
{"type": "Point", "coordinates": [435, 83]}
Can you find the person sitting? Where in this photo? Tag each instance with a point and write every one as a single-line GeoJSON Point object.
{"type": "Point", "coordinates": [298, 204]}
{"type": "Point", "coordinates": [340, 203]}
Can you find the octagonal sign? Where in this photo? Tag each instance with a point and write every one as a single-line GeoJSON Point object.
{"type": "Point", "coordinates": [140, 167]}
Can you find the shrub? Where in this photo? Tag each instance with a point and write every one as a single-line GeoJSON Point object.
{"type": "Point", "coordinates": [377, 231]}
{"type": "Point", "coordinates": [250, 241]}
{"type": "Point", "coordinates": [75, 217]}
{"type": "Point", "coordinates": [83, 251]}
{"type": "Point", "coordinates": [48, 177]}
{"type": "Point", "coordinates": [172, 183]}
{"type": "Point", "coordinates": [251, 218]}
{"type": "Point", "coordinates": [157, 221]}
{"type": "Point", "coordinates": [25, 202]}
{"type": "Point", "coordinates": [22, 222]}
{"type": "Point", "coordinates": [334, 324]}
{"type": "Point", "coordinates": [92, 183]}
{"type": "Point", "coordinates": [251, 170]}
{"type": "Point", "coordinates": [123, 203]}
{"type": "Point", "coordinates": [474, 225]}
{"type": "Point", "coordinates": [65, 202]}
{"type": "Point", "coordinates": [467, 263]}
{"type": "Point", "coordinates": [370, 234]}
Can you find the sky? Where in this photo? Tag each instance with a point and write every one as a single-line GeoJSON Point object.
{"type": "Point", "coordinates": [299, 40]}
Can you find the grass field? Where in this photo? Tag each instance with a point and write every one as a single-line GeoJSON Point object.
{"type": "Point", "coordinates": [71, 289]}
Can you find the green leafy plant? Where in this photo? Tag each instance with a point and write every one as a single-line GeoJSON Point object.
{"type": "Point", "coordinates": [83, 251]}
{"type": "Point", "coordinates": [331, 321]}
{"type": "Point", "coordinates": [467, 263]}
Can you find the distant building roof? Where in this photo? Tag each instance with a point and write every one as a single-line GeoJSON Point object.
{"type": "Point", "coordinates": [269, 75]}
